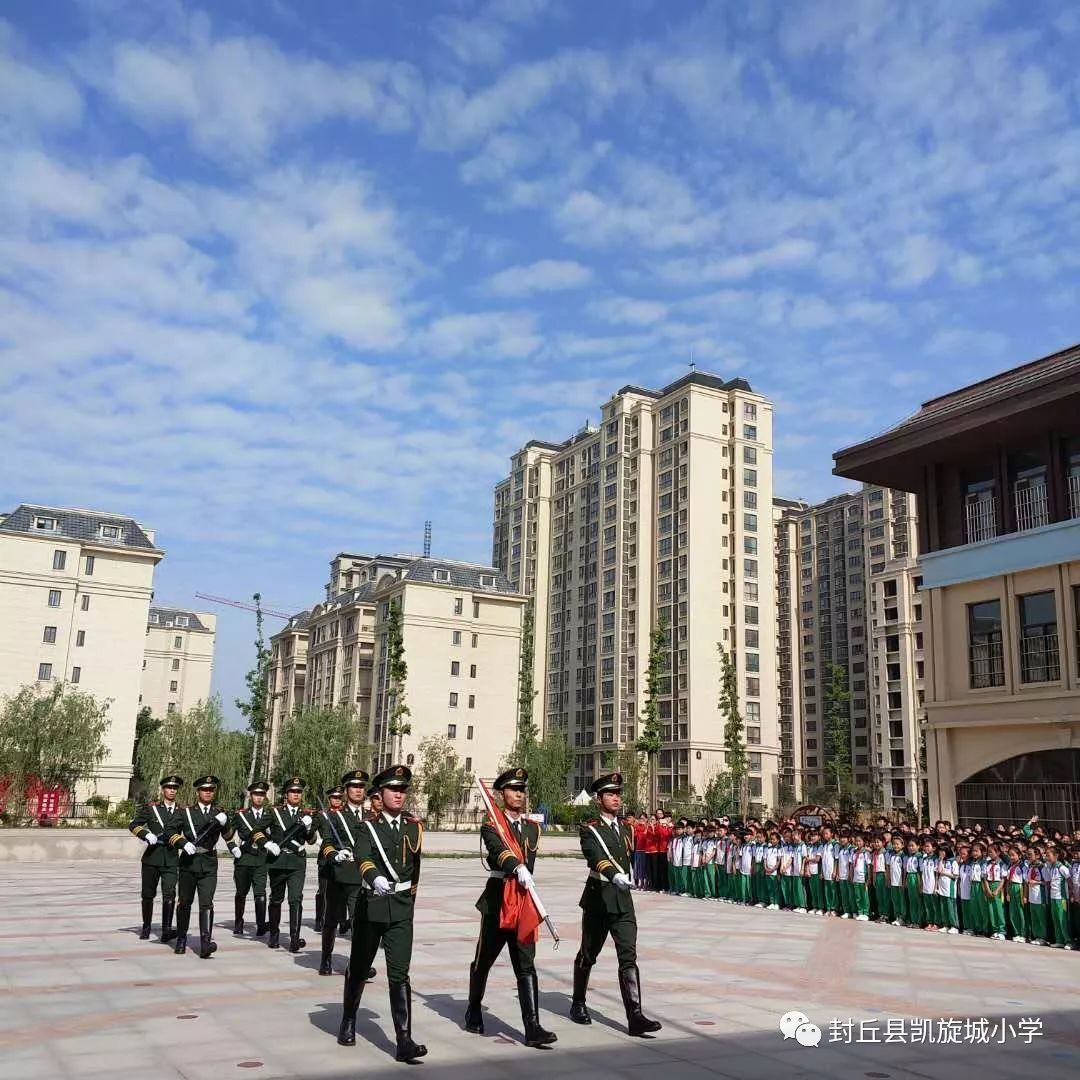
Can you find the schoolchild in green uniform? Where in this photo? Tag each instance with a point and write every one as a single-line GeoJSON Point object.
{"type": "Point", "coordinates": [843, 876]}
{"type": "Point", "coordinates": [880, 877]}
{"type": "Point", "coordinates": [860, 872]}
{"type": "Point", "coordinates": [895, 866]}
{"type": "Point", "coordinates": [912, 882]}
{"type": "Point", "coordinates": [947, 872]}
{"type": "Point", "coordinates": [993, 890]}
{"type": "Point", "coordinates": [928, 885]}
{"type": "Point", "coordinates": [1015, 900]}
{"type": "Point", "coordinates": [1033, 888]}
{"type": "Point", "coordinates": [1056, 881]}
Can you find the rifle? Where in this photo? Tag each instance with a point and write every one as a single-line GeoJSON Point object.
{"type": "Point", "coordinates": [203, 838]}
{"type": "Point", "coordinates": [293, 831]}
{"type": "Point", "coordinates": [330, 821]}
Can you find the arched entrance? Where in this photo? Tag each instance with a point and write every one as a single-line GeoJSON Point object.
{"type": "Point", "coordinates": [1044, 782]}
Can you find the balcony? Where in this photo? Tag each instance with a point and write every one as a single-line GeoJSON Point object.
{"type": "Point", "coordinates": [1032, 509]}
{"type": "Point", "coordinates": [1073, 482]}
{"type": "Point", "coordinates": [1039, 657]}
{"type": "Point", "coordinates": [986, 664]}
{"type": "Point", "coordinates": [980, 518]}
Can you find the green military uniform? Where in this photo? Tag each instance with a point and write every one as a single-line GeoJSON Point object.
{"type": "Point", "coordinates": [197, 834]}
{"type": "Point", "coordinates": [249, 861]}
{"type": "Point", "coordinates": [154, 824]}
{"type": "Point", "coordinates": [608, 908]}
{"type": "Point", "coordinates": [325, 860]}
{"type": "Point", "coordinates": [388, 852]}
{"type": "Point", "coordinates": [289, 830]}
{"type": "Point", "coordinates": [503, 862]}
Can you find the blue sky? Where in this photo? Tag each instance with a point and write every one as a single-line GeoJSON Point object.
{"type": "Point", "coordinates": [283, 279]}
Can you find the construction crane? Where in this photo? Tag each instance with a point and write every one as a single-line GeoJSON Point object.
{"type": "Point", "coordinates": [240, 604]}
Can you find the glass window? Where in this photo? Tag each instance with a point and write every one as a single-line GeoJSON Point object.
{"type": "Point", "coordinates": [986, 665]}
{"type": "Point", "coordinates": [59, 559]}
{"type": "Point", "coordinates": [1039, 657]}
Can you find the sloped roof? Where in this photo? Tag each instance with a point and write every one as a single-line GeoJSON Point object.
{"type": "Point", "coordinates": [166, 616]}
{"type": "Point", "coordinates": [84, 525]}
{"type": "Point", "coordinates": [463, 575]}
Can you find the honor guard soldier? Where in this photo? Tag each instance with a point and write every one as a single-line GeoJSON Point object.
{"type": "Point", "coordinates": [153, 825]}
{"type": "Point", "coordinates": [388, 853]}
{"type": "Point", "coordinates": [607, 906]}
{"type": "Point", "coordinates": [249, 858]}
{"type": "Point", "coordinates": [290, 829]}
{"type": "Point", "coordinates": [339, 833]}
{"type": "Point", "coordinates": [502, 863]}
{"type": "Point", "coordinates": [334, 798]}
{"type": "Point", "coordinates": [199, 827]}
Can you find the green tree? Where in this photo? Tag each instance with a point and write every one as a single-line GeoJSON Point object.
{"type": "Point", "coordinates": [398, 712]}
{"type": "Point", "coordinates": [838, 734]}
{"type": "Point", "coordinates": [734, 746]}
{"type": "Point", "coordinates": [722, 794]}
{"type": "Point", "coordinates": [195, 743]}
{"type": "Point", "coordinates": [526, 726]}
{"type": "Point", "coordinates": [441, 777]}
{"type": "Point", "coordinates": [255, 708]}
{"type": "Point", "coordinates": [628, 762]}
{"type": "Point", "coordinates": [549, 761]}
{"type": "Point", "coordinates": [319, 745]}
{"type": "Point", "coordinates": [649, 737]}
{"type": "Point", "coordinates": [56, 736]}
{"type": "Point", "coordinates": [145, 724]}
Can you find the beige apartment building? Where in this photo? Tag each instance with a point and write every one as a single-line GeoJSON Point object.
{"type": "Point", "coordinates": [75, 591]}
{"type": "Point", "coordinates": [287, 676]}
{"type": "Point", "coordinates": [178, 660]}
{"type": "Point", "coordinates": [662, 513]}
{"type": "Point", "coordinates": [786, 514]}
{"type": "Point", "coordinates": [995, 469]}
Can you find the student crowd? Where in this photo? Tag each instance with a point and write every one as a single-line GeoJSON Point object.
{"type": "Point", "coordinates": [1019, 883]}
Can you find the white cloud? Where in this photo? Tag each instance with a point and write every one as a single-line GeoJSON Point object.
{"type": "Point", "coordinates": [788, 254]}
{"type": "Point", "coordinates": [547, 275]}
{"type": "Point", "coordinates": [480, 335]}
{"type": "Point", "coordinates": [628, 310]}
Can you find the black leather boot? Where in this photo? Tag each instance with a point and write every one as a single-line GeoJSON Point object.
{"type": "Point", "coordinates": [147, 917]}
{"type": "Point", "coordinates": [529, 997]}
{"type": "Point", "coordinates": [183, 917]}
{"type": "Point", "coordinates": [320, 905]}
{"type": "Point", "coordinates": [326, 965]}
{"type": "Point", "coordinates": [401, 1013]}
{"type": "Point", "coordinates": [630, 985]}
{"type": "Point", "coordinates": [260, 916]}
{"type": "Point", "coordinates": [296, 942]}
{"type": "Point", "coordinates": [474, 1014]}
{"type": "Point", "coordinates": [350, 1002]}
{"type": "Point", "coordinates": [274, 926]}
{"type": "Point", "coordinates": [167, 932]}
{"type": "Point", "coordinates": [207, 947]}
{"type": "Point", "coordinates": [579, 1013]}
{"type": "Point", "coordinates": [239, 903]}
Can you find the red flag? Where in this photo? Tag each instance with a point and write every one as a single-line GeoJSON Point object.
{"type": "Point", "coordinates": [519, 911]}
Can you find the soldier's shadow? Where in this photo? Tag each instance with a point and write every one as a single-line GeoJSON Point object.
{"type": "Point", "coordinates": [327, 1018]}
{"type": "Point", "coordinates": [554, 1002]}
{"type": "Point", "coordinates": [453, 1009]}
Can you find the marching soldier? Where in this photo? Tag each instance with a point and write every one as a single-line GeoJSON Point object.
{"type": "Point", "coordinates": [290, 829]}
{"type": "Point", "coordinates": [154, 824]}
{"type": "Point", "coordinates": [339, 831]}
{"type": "Point", "coordinates": [334, 797]}
{"type": "Point", "coordinates": [374, 806]}
{"type": "Point", "coordinates": [388, 853]}
{"type": "Point", "coordinates": [249, 865]}
{"type": "Point", "coordinates": [502, 862]}
{"type": "Point", "coordinates": [607, 906]}
{"type": "Point", "coordinates": [198, 828]}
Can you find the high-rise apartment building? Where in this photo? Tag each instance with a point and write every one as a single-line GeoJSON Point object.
{"type": "Point", "coordinates": [178, 660]}
{"type": "Point", "coordinates": [75, 590]}
{"type": "Point", "coordinates": [661, 515]}
{"type": "Point", "coordinates": [287, 676]}
{"type": "Point", "coordinates": [786, 513]}
{"type": "Point", "coordinates": [847, 565]}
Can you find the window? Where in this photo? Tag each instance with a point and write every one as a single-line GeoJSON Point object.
{"type": "Point", "coordinates": [76, 674]}
{"type": "Point", "coordinates": [80, 638]}
{"type": "Point", "coordinates": [59, 559]}
{"type": "Point", "coordinates": [753, 687]}
{"type": "Point", "coordinates": [472, 705]}
{"type": "Point", "coordinates": [749, 411]}
{"type": "Point", "coordinates": [468, 764]}
{"type": "Point", "coordinates": [153, 617]}
{"type": "Point", "coordinates": [749, 477]}
{"type": "Point", "coordinates": [176, 665]}
{"type": "Point", "coordinates": [182, 621]}
{"type": "Point", "coordinates": [750, 545]}
{"type": "Point", "coordinates": [1039, 657]}
{"type": "Point", "coordinates": [170, 709]}
{"type": "Point", "coordinates": [459, 605]}
{"type": "Point", "coordinates": [49, 637]}
{"type": "Point", "coordinates": [54, 598]}
{"type": "Point", "coordinates": [752, 638]}
{"type": "Point", "coordinates": [178, 641]}
{"type": "Point", "coordinates": [86, 602]}
{"type": "Point", "coordinates": [455, 668]}
{"type": "Point", "coordinates": [455, 637]}
{"type": "Point", "coordinates": [451, 731]}
{"type": "Point", "coordinates": [453, 700]}
{"type": "Point", "coordinates": [440, 575]}
{"type": "Point", "coordinates": [750, 567]}
{"type": "Point", "coordinates": [476, 609]}
{"type": "Point", "coordinates": [472, 671]}
{"type": "Point", "coordinates": [469, 732]}
{"type": "Point", "coordinates": [44, 672]}
{"type": "Point", "coordinates": [754, 761]}
{"type": "Point", "coordinates": [89, 565]}
{"type": "Point", "coordinates": [753, 662]}
{"type": "Point", "coordinates": [986, 664]}
{"type": "Point", "coordinates": [475, 640]}
{"type": "Point", "coordinates": [45, 524]}
{"type": "Point", "coordinates": [110, 532]}
{"type": "Point", "coordinates": [173, 685]}
{"type": "Point", "coordinates": [487, 581]}
{"type": "Point", "coordinates": [749, 431]}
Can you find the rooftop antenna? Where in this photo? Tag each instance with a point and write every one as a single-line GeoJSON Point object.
{"type": "Point", "coordinates": [693, 365]}
{"type": "Point", "coordinates": [427, 539]}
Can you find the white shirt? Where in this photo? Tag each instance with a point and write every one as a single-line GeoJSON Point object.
{"type": "Point", "coordinates": [860, 861]}
{"type": "Point", "coordinates": [393, 821]}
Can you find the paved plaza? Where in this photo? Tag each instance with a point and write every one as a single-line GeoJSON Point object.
{"type": "Point", "coordinates": [84, 997]}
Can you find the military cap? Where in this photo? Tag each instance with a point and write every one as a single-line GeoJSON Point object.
{"type": "Point", "coordinates": [335, 792]}
{"type": "Point", "coordinates": [512, 778]}
{"type": "Point", "coordinates": [260, 787]}
{"type": "Point", "coordinates": [396, 776]}
{"type": "Point", "coordinates": [207, 782]}
{"type": "Point", "coordinates": [355, 776]}
{"type": "Point", "coordinates": [172, 780]}
{"type": "Point", "coordinates": [294, 783]}
{"type": "Point", "coordinates": [605, 783]}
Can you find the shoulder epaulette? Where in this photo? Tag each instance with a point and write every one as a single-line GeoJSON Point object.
{"type": "Point", "coordinates": [586, 824]}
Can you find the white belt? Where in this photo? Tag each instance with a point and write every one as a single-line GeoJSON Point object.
{"type": "Point", "coordinates": [396, 886]}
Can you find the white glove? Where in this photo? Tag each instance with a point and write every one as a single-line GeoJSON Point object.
{"type": "Point", "coordinates": [343, 856]}
{"type": "Point", "coordinates": [189, 848]}
{"type": "Point", "coordinates": [621, 881]}
{"type": "Point", "coordinates": [306, 819]}
{"type": "Point", "coordinates": [272, 847]}
{"type": "Point", "coordinates": [523, 875]}
{"type": "Point", "coordinates": [222, 819]}
{"type": "Point", "coordinates": [381, 886]}
{"type": "Point", "coordinates": [150, 838]}
{"type": "Point", "coordinates": [236, 852]}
